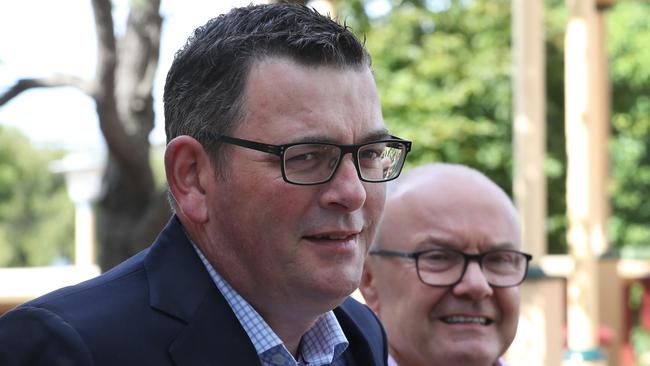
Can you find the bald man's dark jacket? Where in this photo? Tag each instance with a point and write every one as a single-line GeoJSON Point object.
{"type": "Point", "coordinates": [160, 307]}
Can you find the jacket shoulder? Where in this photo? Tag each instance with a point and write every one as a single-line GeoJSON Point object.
{"type": "Point", "coordinates": [365, 332]}
{"type": "Point", "coordinates": [37, 336]}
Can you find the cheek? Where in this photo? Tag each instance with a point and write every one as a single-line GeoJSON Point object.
{"type": "Point", "coordinates": [264, 204]}
{"type": "Point", "coordinates": [276, 201]}
{"type": "Point", "coordinates": [415, 323]}
{"type": "Point", "coordinates": [289, 210]}
{"type": "Point", "coordinates": [508, 301]}
{"type": "Point", "coordinates": [376, 195]}
{"type": "Point", "coordinates": [375, 202]}
{"type": "Point", "coordinates": [414, 305]}
{"type": "Point", "coordinates": [430, 297]}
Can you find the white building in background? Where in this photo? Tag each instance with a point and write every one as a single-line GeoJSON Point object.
{"type": "Point", "coordinates": [83, 173]}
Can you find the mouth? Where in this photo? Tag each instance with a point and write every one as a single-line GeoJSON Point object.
{"type": "Point", "coordinates": [336, 237]}
{"type": "Point", "coordinates": [333, 235]}
{"type": "Point", "coordinates": [461, 319]}
{"type": "Point", "coordinates": [342, 240]}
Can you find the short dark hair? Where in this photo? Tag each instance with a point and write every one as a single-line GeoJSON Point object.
{"type": "Point", "coordinates": [205, 84]}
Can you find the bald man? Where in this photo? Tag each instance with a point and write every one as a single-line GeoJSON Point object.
{"type": "Point", "coordinates": [444, 272]}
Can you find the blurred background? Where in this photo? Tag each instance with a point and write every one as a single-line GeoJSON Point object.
{"type": "Point", "coordinates": [550, 98]}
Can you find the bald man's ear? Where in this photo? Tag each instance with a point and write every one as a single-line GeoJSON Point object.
{"type": "Point", "coordinates": [367, 287]}
{"type": "Point", "coordinates": [188, 170]}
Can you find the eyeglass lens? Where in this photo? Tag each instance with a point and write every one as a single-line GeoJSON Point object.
{"type": "Point", "coordinates": [312, 163]}
{"type": "Point", "coordinates": [501, 268]}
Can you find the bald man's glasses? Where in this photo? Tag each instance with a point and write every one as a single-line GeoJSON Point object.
{"type": "Point", "coordinates": [446, 267]}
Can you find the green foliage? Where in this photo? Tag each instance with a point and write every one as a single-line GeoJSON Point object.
{"type": "Point", "coordinates": [443, 69]}
{"type": "Point", "coordinates": [628, 39]}
{"type": "Point", "coordinates": [36, 215]}
{"type": "Point", "coordinates": [555, 18]}
{"type": "Point", "coordinates": [628, 34]}
{"type": "Point", "coordinates": [639, 336]}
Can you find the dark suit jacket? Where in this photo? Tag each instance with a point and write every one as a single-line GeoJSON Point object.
{"type": "Point", "coordinates": [159, 307]}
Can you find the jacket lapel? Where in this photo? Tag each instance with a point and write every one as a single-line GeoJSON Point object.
{"type": "Point", "coordinates": [180, 287]}
{"type": "Point", "coordinates": [214, 337]}
{"type": "Point", "coordinates": [359, 324]}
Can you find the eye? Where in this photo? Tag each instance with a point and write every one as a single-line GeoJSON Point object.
{"type": "Point", "coordinates": [504, 262]}
{"type": "Point", "coordinates": [439, 260]}
{"type": "Point", "coordinates": [438, 256]}
{"type": "Point", "coordinates": [310, 159]}
{"type": "Point", "coordinates": [306, 152]}
{"type": "Point", "coordinates": [500, 258]}
{"type": "Point", "coordinates": [370, 153]}
{"type": "Point", "coordinates": [304, 156]}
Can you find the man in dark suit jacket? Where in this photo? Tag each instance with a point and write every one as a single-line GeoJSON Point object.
{"type": "Point", "coordinates": [273, 217]}
{"type": "Point", "coordinates": [158, 308]}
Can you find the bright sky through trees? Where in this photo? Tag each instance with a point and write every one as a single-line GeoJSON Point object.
{"type": "Point", "coordinates": [43, 37]}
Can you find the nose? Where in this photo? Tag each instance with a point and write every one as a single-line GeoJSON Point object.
{"type": "Point", "coordinates": [345, 190]}
{"type": "Point", "coordinates": [473, 284]}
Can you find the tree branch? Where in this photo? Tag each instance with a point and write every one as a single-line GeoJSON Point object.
{"type": "Point", "coordinates": [54, 81]}
{"type": "Point", "coordinates": [150, 36]}
{"type": "Point", "coordinates": [111, 125]}
{"type": "Point", "coordinates": [141, 42]}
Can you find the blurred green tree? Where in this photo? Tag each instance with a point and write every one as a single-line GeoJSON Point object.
{"type": "Point", "coordinates": [444, 73]}
{"type": "Point", "coordinates": [131, 209]}
{"type": "Point", "coordinates": [629, 37]}
{"type": "Point", "coordinates": [555, 20]}
{"type": "Point", "coordinates": [444, 70]}
{"type": "Point", "coordinates": [36, 215]}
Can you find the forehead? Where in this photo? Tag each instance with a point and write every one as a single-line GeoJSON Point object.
{"type": "Point", "coordinates": [454, 215]}
{"type": "Point", "coordinates": [285, 100]}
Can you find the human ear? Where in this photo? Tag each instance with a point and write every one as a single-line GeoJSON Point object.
{"type": "Point", "coordinates": [188, 170]}
{"type": "Point", "coordinates": [368, 289]}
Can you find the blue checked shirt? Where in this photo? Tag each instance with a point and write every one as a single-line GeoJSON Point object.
{"type": "Point", "coordinates": [323, 344]}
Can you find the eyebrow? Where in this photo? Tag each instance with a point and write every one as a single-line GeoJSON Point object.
{"type": "Point", "coordinates": [434, 242]}
{"type": "Point", "coordinates": [381, 134]}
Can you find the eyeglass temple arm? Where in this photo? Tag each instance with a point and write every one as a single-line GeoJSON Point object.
{"type": "Point", "coordinates": [272, 149]}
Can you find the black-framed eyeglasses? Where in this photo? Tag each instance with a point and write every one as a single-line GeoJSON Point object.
{"type": "Point", "coordinates": [446, 267]}
{"type": "Point", "coordinates": [309, 163]}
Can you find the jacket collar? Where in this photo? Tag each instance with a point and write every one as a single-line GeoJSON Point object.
{"type": "Point", "coordinates": [180, 287]}
{"type": "Point", "coordinates": [357, 321]}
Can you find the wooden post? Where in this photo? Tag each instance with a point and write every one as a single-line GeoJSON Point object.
{"type": "Point", "coordinates": [586, 235]}
{"type": "Point", "coordinates": [538, 341]}
{"type": "Point", "coordinates": [529, 123]}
